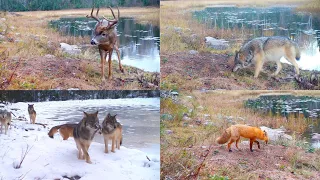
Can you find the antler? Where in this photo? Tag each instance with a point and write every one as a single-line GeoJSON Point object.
{"type": "Point", "coordinates": [94, 17]}
{"type": "Point", "coordinates": [114, 21]}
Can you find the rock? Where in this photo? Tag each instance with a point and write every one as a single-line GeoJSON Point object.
{"type": "Point", "coordinates": [193, 52]}
{"type": "Point", "coordinates": [203, 147]}
{"type": "Point", "coordinates": [218, 44]}
{"type": "Point", "coordinates": [70, 49]}
{"type": "Point", "coordinates": [315, 136]}
{"type": "Point", "coordinates": [50, 56]}
{"type": "Point", "coordinates": [185, 117]}
{"type": "Point", "coordinates": [208, 123]}
{"type": "Point", "coordinates": [169, 131]}
{"type": "Point", "coordinates": [2, 19]}
{"type": "Point", "coordinates": [174, 93]}
{"type": "Point", "coordinates": [177, 29]}
{"type": "Point", "coordinates": [276, 134]}
{"type": "Point", "coordinates": [198, 122]}
{"type": "Point", "coordinates": [2, 38]}
{"type": "Point", "coordinates": [190, 97]}
{"type": "Point", "coordinates": [200, 107]}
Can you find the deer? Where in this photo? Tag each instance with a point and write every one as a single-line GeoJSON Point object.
{"type": "Point", "coordinates": [105, 37]}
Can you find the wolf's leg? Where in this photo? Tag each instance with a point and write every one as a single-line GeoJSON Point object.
{"type": "Point", "coordinates": [257, 144]}
{"type": "Point", "coordinates": [118, 142]}
{"type": "Point", "coordinates": [5, 128]}
{"type": "Point", "coordinates": [80, 155]}
{"type": "Point", "coordinates": [106, 144]}
{"type": "Point", "coordinates": [1, 128]}
{"type": "Point", "coordinates": [251, 143]}
{"type": "Point", "coordinates": [279, 67]}
{"type": "Point", "coordinates": [292, 59]}
{"type": "Point", "coordinates": [85, 152]}
{"type": "Point", "coordinates": [113, 141]}
{"type": "Point", "coordinates": [258, 66]}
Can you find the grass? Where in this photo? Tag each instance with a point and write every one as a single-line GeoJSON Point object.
{"type": "Point", "coordinates": [222, 108]}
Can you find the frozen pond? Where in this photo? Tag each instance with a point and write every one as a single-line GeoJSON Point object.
{"type": "Point", "coordinates": [139, 43]}
{"type": "Point", "coordinates": [248, 23]}
{"type": "Point", "coordinates": [140, 117]}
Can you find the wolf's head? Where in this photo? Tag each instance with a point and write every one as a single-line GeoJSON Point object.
{"type": "Point", "coordinates": [30, 106]}
{"type": "Point", "coordinates": [109, 123]}
{"type": "Point", "coordinates": [91, 120]}
{"type": "Point", "coordinates": [242, 59]}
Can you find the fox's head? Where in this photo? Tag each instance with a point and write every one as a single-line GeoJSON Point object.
{"type": "Point", "coordinates": [91, 120]}
{"type": "Point", "coordinates": [265, 136]}
{"type": "Point", "coordinates": [242, 59]}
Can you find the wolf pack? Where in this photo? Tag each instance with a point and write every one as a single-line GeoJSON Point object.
{"type": "Point", "coordinates": [82, 132]}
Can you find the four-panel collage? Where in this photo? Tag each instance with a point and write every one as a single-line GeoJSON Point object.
{"type": "Point", "coordinates": [159, 89]}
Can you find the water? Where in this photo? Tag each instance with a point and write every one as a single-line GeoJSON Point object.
{"type": "Point", "coordinates": [297, 106]}
{"type": "Point", "coordinates": [140, 117]}
{"type": "Point", "coordinates": [139, 43]}
{"type": "Point", "coordinates": [248, 23]}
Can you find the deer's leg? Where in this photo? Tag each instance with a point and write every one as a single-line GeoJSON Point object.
{"type": "Point", "coordinates": [110, 65]}
{"type": "Point", "coordinates": [118, 54]}
{"type": "Point", "coordinates": [103, 60]}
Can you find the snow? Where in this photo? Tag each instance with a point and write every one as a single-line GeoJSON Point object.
{"type": "Point", "coordinates": [54, 158]}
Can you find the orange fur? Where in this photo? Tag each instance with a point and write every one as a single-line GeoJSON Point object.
{"type": "Point", "coordinates": [65, 130]}
{"type": "Point", "coordinates": [236, 131]}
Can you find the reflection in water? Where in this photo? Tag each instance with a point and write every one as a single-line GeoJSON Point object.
{"type": "Point", "coordinates": [302, 107]}
{"type": "Point", "coordinates": [139, 43]}
{"type": "Point", "coordinates": [248, 23]}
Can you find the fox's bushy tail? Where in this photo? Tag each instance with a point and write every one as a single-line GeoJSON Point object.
{"type": "Point", "coordinates": [53, 130]}
{"type": "Point", "coordinates": [224, 137]}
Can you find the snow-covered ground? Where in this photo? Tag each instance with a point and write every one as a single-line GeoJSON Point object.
{"type": "Point", "coordinates": [55, 158]}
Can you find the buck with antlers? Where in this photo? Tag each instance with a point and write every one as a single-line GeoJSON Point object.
{"type": "Point", "coordinates": [105, 37]}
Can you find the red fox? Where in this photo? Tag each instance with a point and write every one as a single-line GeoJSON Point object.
{"type": "Point", "coordinates": [236, 131]}
{"type": "Point", "coordinates": [66, 130]}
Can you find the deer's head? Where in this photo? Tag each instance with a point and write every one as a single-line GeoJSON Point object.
{"type": "Point", "coordinates": [103, 28]}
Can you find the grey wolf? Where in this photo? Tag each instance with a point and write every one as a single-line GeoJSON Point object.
{"type": "Point", "coordinates": [83, 134]}
{"type": "Point", "coordinates": [263, 49]}
{"type": "Point", "coordinates": [65, 130]}
{"type": "Point", "coordinates": [32, 113]}
{"type": "Point", "coordinates": [5, 119]}
{"type": "Point", "coordinates": [111, 129]}
{"type": "Point", "coordinates": [234, 133]}
{"type": "Point", "coordinates": [105, 36]}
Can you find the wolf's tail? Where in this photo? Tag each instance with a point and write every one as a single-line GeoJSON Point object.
{"type": "Point", "coordinates": [224, 137]}
{"type": "Point", "coordinates": [53, 130]}
{"type": "Point", "coordinates": [298, 55]}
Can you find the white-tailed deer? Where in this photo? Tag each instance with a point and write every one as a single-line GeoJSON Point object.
{"type": "Point", "coordinates": [105, 36]}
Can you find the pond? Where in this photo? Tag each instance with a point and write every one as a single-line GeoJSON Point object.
{"type": "Point", "coordinates": [140, 117]}
{"type": "Point", "coordinates": [289, 106]}
{"type": "Point", "coordinates": [249, 23]}
{"type": "Point", "coordinates": [139, 43]}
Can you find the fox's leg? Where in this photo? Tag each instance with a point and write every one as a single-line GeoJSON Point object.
{"type": "Point", "coordinates": [106, 144]}
{"type": "Point", "coordinates": [118, 54]}
{"type": "Point", "coordinates": [279, 67]}
{"type": "Point", "coordinates": [113, 141]}
{"type": "Point", "coordinates": [251, 143]}
{"type": "Point", "coordinates": [229, 145]}
{"type": "Point", "coordinates": [257, 144]}
{"type": "Point", "coordinates": [237, 143]}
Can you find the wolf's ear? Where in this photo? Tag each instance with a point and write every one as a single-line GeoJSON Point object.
{"type": "Point", "coordinates": [96, 113]}
{"type": "Point", "coordinates": [85, 114]}
{"type": "Point", "coordinates": [108, 115]}
{"type": "Point", "coordinates": [115, 115]}
{"type": "Point", "coordinates": [265, 132]}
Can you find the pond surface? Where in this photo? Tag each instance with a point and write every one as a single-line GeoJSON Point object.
{"type": "Point", "coordinates": [140, 117]}
{"type": "Point", "coordinates": [249, 23]}
{"type": "Point", "coordinates": [291, 106]}
{"type": "Point", "coordinates": [139, 43]}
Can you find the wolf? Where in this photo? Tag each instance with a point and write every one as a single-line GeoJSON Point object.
{"type": "Point", "coordinates": [84, 132]}
{"type": "Point", "coordinates": [5, 120]}
{"type": "Point", "coordinates": [234, 133]}
{"type": "Point", "coordinates": [32, 113]}
{"type": "Point", "coordinates": [65, 130]}
{"type": "Point", "coordinates": [263, 49]}
{"type": "Point", "coordinates": [111, 129]}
